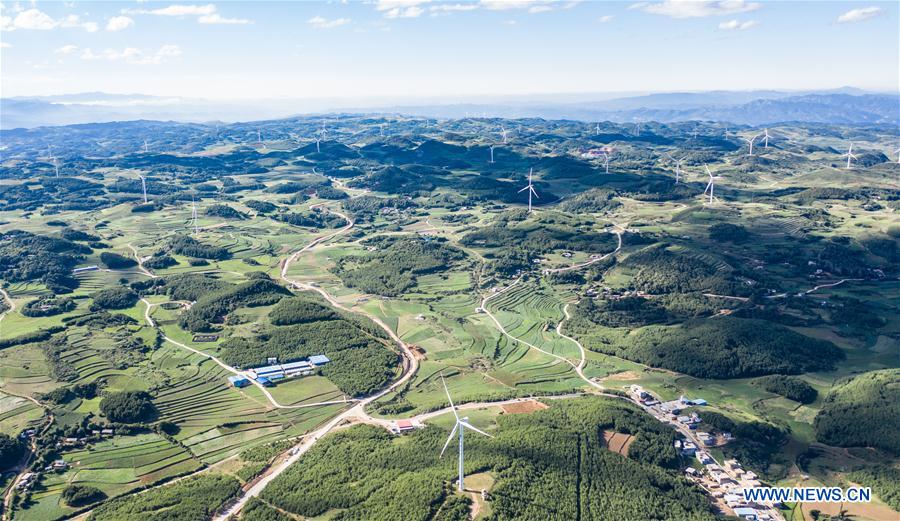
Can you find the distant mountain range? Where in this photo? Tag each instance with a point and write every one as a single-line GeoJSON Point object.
{"type": "Point", "coordinates": [843, 106]}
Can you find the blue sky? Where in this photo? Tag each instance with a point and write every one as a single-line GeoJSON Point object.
{"type": "Point", "coordinates": [448, 50]}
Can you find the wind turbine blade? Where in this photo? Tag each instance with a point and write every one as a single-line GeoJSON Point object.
{"type": "Point", "coordinates": [449, 439]}
{"type": "Point", "coordinates": [469, 426]}
{"type": "Point", "coordinates": [533, 192]}
{"type": "Point", "coordinates": [522, 190]}
{"type": "Point", "coordinates": [452, 407]}
{"type": "Point", "coordinates": [707, 186]}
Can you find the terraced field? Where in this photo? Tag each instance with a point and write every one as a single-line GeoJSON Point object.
{"type": "Point", "coordinates": [114, 466]}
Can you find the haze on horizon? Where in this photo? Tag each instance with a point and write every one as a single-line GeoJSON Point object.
{"type": "Point", "coordinates": [421, 50]}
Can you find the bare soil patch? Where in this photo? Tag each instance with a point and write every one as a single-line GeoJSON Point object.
{"type": "Point", "coordinates": [625, 375]}
{"type": "Point", "coordinates": [523, 407]}
{"type": "Point", "coordinates": [617, 442]}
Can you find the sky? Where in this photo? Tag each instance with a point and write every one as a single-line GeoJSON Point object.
{"type": "Point", "coordinates": [415, 49]}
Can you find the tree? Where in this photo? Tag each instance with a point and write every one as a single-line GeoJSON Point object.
{"type": "Point", "coordinates": [11, 450]}
{"type": "Point", "coordinates": [128, 407]}
{"type": "Point", "coordinates": [80, 495]}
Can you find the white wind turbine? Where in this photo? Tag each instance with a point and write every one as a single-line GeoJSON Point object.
{"type": "Point", "coordinates": [766, 138]}
{"type": "Point", "coordinates": [492, 154]}
{"type": "Point", "coordinates": [750, 142]}
{"type": "Point", "coordinates": [678, 171]}
{"type": "Point", "coordinates": [55, 163]}
{"type": "Point", "coordinates": [606, 161]}
{"type": "Point", "coordinates": [194, 215]}
{"type": "Point", "coordinates": [144, 187]}
{"type": "Point", "coordinates": [597, 130]}
{"type": "Point", "coordinates": [505, 134]}
{"type": "Point", "coordinates": [461, 425]}
{"type": "Point", "coordinates": [146, 147]}
{"type": "Point", "coordinates": [711, 186]}
{"type": "Point", "coordinates": [530, 188]}
{"type": "Point", "coordinates": [850, 155]}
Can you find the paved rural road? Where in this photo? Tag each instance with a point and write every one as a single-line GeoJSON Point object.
{"type": "Point", "coordinates": [231, 369]}
{"type": "Point", "coordinates": [592, 261]}
{"type": "Point", "coordinates": [410, 366]}
{"type": "Point", "coordinates": [580, 365]}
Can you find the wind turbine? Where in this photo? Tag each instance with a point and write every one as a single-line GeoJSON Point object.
{"type": "Point", "coordinates": [317, 146]}
{"type": "Point", "coordinates": [850, 155]}
{"type": "Point", "coordinates": [597, 130]}
{"type": "Point", "coordinates": [461, 425]}
{"type": "Point", "coordinates": [898, 155]}
{"type": "Point", "coordinates": [144, 187]}
{"type": "Point", "coordinates": [381, 129]}
{"type": "Point", "coordinates": [194, 215]}
{"type": "Point", "coordinates": [750, 142]}
{"type": "Point", "coordinates": [504, 133]}
{"type": "Point", "coordinates": [492, 153]}
{"type": "Point", "coordinates": [606, 161]}
{"type": "Point", "coordinates": [55, 164]}
{"type": "Point", "coordinates": [766, 138]}
{"type": "Point", "coordinates": [711, 186]}
{"type": "Point", "coordinates": [530, 188]}
{"type": "Point", "coordinates": [146, 148]}
{"type": "Point", "coordinates": [677, 167]}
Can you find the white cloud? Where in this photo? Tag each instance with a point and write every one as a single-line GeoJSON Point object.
{"type": "Point", "coordinates": [34, 19]}
{"type": "Point", "coordinates": [119, 23]}
{"type": "Point", "coordinates": [539, 9]}
{"type": "Point", "coordinates": [509, 22]}
{"type": "Point", "coordinates": [401, 8]}
{"type": "Point", "coordinates": [66, 49]}
{"type": "Point", "coordinates": [858, 15]}
{"type": "Point", "coordinates": [74, 21]}
{"type": "Point", "coordinates": [408, 12]}
{"type": "Point", "coordinates": [606, 18]}
{"type": "Point", "coordinates": [388, 5]}
{"type": "Point", "coordinates": [533, 6]}
{"type": "Point", "coordinates": [450, 8]}
{"type": "Point", "coordinates": [206, 14]}
{"type": "Point", "coordinates": [322, 23]}
{"type": "Point", "coordinates": [37, 20]}
{"type": "Point", "coordinates": [217, 19]}
{"type": "Point", "coordinates": [133, 55]}
{"type": "Point", "coordinates": [735, 25]}
{"type": "Point", "coordinates": [176, 10]}
{"type": "Point", "coordinates": [5, 45]}
{"type": "Point", "coordinates": [697, 8]}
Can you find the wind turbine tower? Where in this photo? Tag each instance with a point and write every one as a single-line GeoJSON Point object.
{"type": "Point", "coordinates": [711, 186]}
{"type": "Point", "coordinates": [606, 161]}
{"type": "Point", "coordinates": [597, 130]}
{"type": "Point", "coordinates": [144, 187]}
{"type": "Point", "coordinates": [766, 138]}
{"type": "Point", "coordinates": [194, 224]}
{"type": "Point", "coordinates": [504, 133]}
{"type": "Point", "coordinates": [492, 153]}
{"type": "Point", "coordinates": [56, 167]}
{"type": "Point", "coordinates": [461, 425]}
{"type": "Point", "coordinates": [530, 188]}
{"type": "Point", "coordinates": [678, 170]}
{"type": "Point", "coordinates": [850, 155]}
{"type": "Point", "coordinates": [146, 150]}
{"type": "Point", "coordinates": [750, 142]}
